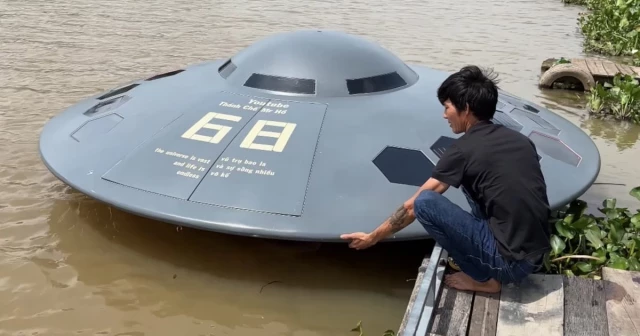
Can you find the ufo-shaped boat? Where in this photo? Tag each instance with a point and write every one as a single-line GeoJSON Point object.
{"type": "Point", "coordinates": [301, 136]}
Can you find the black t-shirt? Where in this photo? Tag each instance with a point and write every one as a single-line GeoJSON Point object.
{"type": "Point", "coordinates": [499, 168]}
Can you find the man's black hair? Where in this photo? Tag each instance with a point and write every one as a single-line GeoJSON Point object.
{"type": "Point", "coordinates": [473, 86]}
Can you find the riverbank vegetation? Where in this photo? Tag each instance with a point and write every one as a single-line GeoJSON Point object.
{"type": "Point", "coordinates": [619, 100]}
{"type": "Point", "coordinates": [584, 243]}
{"type": "Point", "coordinates": [610, 27]}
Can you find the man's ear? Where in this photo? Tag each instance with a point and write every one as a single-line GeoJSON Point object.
{"type": "Point", "coordinates": [467, 110]}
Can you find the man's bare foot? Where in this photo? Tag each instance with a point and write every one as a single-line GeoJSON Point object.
{"type": "Point", "coordinates": [462, 281]}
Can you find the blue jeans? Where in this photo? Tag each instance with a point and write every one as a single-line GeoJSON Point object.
{"type": "Point", "coordinates": [468, 240]}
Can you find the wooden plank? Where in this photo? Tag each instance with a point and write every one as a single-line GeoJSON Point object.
{"type": "Point", "coordinates": [414, 293]}
{"type": "Point", "coordinates": [535, 307]}
{"type": "Point", "coordinates": [625, 69]}
{"type": "Point", "coordinates": [610, 67]}
{"type": "Point", "coordinates": [596, 68]}
{"type": "Point", "coordinates": [622, 291]}
{"type": "Point", "coordinates": [484, 314]}
{"type": "Point", "coordinates": [581, 63]}
{"type": "Point", "coordinates": [451, 317]}
{"type": "Point", "coordinates": [584, 307]}
{"type": "Point", "coordinates": [636, 70]}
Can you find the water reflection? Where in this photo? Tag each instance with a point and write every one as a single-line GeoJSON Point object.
{"type": "Point", "coordinates": [570, 104]}
{"type": "Point", "coordinates": [616, 141]}
{"type": "Point", "coordinates": [624, 134]}
{"type": "Point", "coordinates": [147, 268]}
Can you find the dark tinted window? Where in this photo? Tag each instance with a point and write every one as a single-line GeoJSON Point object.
{"type": "Point", "coordinates": [282, 84]}
{"type": "Point", "coordinates": [375, 84]}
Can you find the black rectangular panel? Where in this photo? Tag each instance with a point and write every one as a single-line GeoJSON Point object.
{"type": "Point", "coordinates": [178, 157]}
{"type": "Point", "coordinates": [267, 166]}
{"type": "Point", "coordinates": [404, 165]}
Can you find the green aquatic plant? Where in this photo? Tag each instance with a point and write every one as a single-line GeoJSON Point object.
{"type": "Point", "coordinates": [562, 60]}
{"type": "Point", "coordinates": [611, 27]}
{"type": "Point", "coordinates": [583, 243]}
{"type": "Point", "coordinates": [358, 329]}
{"type": "Point", "coordinates": [620, 99]}
{"type": "Point", "coordinates": [597, 98]}
{"type": "Point", "coordinates": [625, 97]}
{"type": "Point", "coordinates": [635, 58]}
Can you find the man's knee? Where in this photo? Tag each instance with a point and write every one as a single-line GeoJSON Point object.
{"type": "Point", "coordinates": [426, 205]}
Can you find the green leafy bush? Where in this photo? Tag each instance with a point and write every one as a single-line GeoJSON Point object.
{"type": "Point", "coordinates": [621, 100]}
{"type": "Point", "coordinates": [583, 243]}
{"type": "Point", "coordinates": [611, 27]}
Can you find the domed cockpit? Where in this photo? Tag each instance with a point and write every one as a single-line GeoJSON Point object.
{"type": "Point", "coordinates": [317, 63]}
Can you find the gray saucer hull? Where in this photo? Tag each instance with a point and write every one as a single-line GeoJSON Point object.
{"type": "Point", "coordinates": [209, 147]}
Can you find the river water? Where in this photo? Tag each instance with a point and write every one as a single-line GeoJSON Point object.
{"type": "Point", "coordinates": [73, 266]}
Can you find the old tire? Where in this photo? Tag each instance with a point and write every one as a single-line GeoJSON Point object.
{"type": "Point", "coordinates": [566, 70]}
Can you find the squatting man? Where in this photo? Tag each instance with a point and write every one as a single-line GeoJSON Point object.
{"type": "Point", "coordinates": [505, 236]}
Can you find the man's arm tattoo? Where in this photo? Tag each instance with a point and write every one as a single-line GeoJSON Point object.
{"type": "Point", "coordinates": [400, 219]}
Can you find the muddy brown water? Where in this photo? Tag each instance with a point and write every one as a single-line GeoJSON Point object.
{"type": "Point", "coordinates": [73, 266]}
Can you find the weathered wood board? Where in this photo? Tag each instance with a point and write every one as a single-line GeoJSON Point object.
{"type": "Point", "coordinates": [534, 307]}
{"type": "Point", "coordinates": [622, 292]}
{"type": "Point", "coordinates": [451, 318]}
{"type": "Point", "coordinates": [611, 68]}
{"type": "Point", "coordinates": [625, 69]}
{"type": "Point", "coordinates": [484, 314]}
{"type": "Point", "coordinates": [548, 305]}
{"type": "Point", "coordinates": [581, 63]}
{"type": "Point", "coordinates": [414, 293]}
{"type": "Point", "coordinates": [604, 68]}
{"type": "Point", "coordinates": [595, 67]}
{"type": "Point", "coordinates": [584, 307]}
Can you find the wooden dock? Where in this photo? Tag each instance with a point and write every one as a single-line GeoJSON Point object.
{"type": "Point", "coordinates": [585, 71]}
{"type": "Point", "coordinates": [548, 305]}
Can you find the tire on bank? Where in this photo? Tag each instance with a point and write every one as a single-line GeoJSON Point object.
{"type": "Point", "coordinates": [567, 72]}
